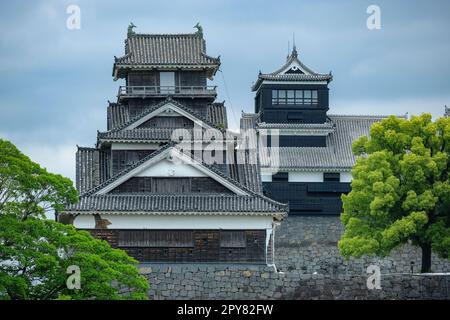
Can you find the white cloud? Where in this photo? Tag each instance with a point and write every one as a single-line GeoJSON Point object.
{"type": "Point", "coordinates": [55, 158]}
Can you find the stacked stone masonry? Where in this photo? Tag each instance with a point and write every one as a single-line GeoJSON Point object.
{"type": "Point", "coordinates": [195, 282]}
{"type": "Point", "coordinates": [309, 266]}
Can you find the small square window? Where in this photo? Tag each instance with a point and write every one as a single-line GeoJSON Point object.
{"type": "Point", "coordinates": [274, 94]}
{"type": "Point", "coordinates": [331, 176]}
{"type": "Point", "coordinates": [280, 176]}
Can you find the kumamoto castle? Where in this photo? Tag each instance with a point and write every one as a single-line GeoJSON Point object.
{"type": "Point", "coordinates": [211, 213]}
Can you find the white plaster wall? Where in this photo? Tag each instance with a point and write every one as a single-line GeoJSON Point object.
{"type": "Point", "coordinates": [346, 177]}
{"type": "Point", "coordinates": [166, 168]}
{"type": "Point", "coordinates": [305, 176]}
{"type": "Point", "coordinates": [176, 222]}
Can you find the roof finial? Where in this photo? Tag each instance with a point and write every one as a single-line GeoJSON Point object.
{"type": "Point", "coordinates": [294, 48]}
{"type": "Point", "coordinates": [130, 32]}
{"type": "Point", "coordinates": [289, 50]}
{"type": "Point", "coordinates": [199, 30]}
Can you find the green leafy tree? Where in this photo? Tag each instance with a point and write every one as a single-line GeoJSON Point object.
{"type": "Point", "coordinates": [35, 253]}
{"type": "Point", "coordinates": [400, 190]}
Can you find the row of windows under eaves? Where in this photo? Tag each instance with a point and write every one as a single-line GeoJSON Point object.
{"type": "Point", "coordinates": [294, 97]}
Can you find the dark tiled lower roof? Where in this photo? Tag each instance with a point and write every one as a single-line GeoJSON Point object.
{"type": "Point", "coordinates": [150, 109]}
{"type": "Point", "coordinates": [254, 202]}
{"type": "Point", "coordinates": [152, 155]}
{"type": "Point", "coordinates": [143, 135]}
{"type": "Point", "coordinates": [118, 114]}
{"type": "Point", "coordinates": [177, 203]}
{"type": "Point", "coordinates": [92, 167]}
{"type": "Point", "coordinates": [217, 115]}
{"type": "Point", "coordinates": [247, 169]}
{"type": "Point", "coordinates": [336, 155]}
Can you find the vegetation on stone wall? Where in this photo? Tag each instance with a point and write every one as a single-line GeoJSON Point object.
{"type": "Point", "coordinates": [36, 254]}
{"type": "Point", "coordinates": [400, 189]}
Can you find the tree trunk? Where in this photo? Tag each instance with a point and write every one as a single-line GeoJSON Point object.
{"type": "Point", "coordinates": [426, 258]}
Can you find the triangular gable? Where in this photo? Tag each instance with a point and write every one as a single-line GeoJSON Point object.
{"type": "Point", "coordinates": [168, 108]}
{"type": "Point", "coordinates": [163, 159]}
{"type": "Point", "coordinates": [294, 65]}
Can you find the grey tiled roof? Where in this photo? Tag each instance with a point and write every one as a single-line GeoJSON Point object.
{"type": "Point", "coordinates": [337, 155]}
{"type": "Point", "coordinates": [152, 155]}
{"type": "Point", "coordinates": [278, 75]}
{"type": "Point", "coordinates": [177, 204]}
{"type": "Point", "coordinates": [159, 105]}
{"type": "Point", "coordinates": [254, 201]}
{"type": "Point", "coordinates": [166, 50]}
{"type": "Point", "coordinates": [217, 114]}
{"type": "Point", "coordinates": [144, 134]}
{"type": "Point", "coordinates": [92, 167]}
{"type": "Point", "coordinates": [291, 77]}
{"type": "Point", "coordinates": [295, 77]}
{"type": "Point", "coordinates": [248, 171]}
{"type": "Point", "coordinates": [118, 114]}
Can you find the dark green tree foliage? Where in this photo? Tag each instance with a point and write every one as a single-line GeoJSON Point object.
{"type": "Point", "coordinates": [35, 252]}
{"type": "Point", "coordinates": [400, 190]}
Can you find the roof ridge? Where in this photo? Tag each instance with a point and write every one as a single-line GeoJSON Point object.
{"type": "Point", "coordinates": [86, 148]}
{"type": "Point", "coordinates": [165, 35]}
{"type": "Point", "coordinates": [362, 116]}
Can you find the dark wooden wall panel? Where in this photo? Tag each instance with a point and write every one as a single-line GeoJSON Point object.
{"type": "Point", "coordinates": [308, 198]}
{"type": "Point", "coordinates": [171, 185]}
{"type": "Point", "coordinates": [122, 159]}
{"type": "Point", "coordinates": [167, 122]}
{"type": "Point", "coordinates": [206, 245]}
{"type": "Point", "coordinates": [292, 113]}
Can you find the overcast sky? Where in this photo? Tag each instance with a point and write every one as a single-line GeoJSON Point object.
{"type": "Point", "coordinates": [55, 82]}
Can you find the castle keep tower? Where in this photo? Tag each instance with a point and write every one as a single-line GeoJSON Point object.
{"type": "Point", "coordinates": [141, 191]}
{"type": "Point", "coordinates": [314, 148]}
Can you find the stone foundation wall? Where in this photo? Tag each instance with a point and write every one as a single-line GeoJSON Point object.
{"type": "Point", "coordinates": [309, 244]}
{"type": "Point", "coordinates": [195, 282]}
{"type": "Point", "coordinates": [309, 267]}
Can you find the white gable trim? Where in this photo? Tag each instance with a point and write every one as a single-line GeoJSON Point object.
{"type": "Point", "coordinates": [294, 63]}
{"type": "Point", "coordinates": [164, 108]}
{"type": "Point", "coordinates": [172, 153]}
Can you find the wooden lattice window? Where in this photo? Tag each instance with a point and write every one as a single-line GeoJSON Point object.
{"type": "Point", "coordinates": [156, 238]}
{"type": "Point", "coordinates": [233, 239]}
